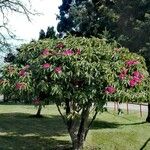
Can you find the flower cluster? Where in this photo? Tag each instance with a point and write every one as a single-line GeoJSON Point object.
{"type": "Point", "coordinates": [23, 72]}
{"type": "Point", "coordinates": [68, 52]}
{"type": "Point", "coordinates": [136, 78]}
{"type": "Point", "coordinates": [45, 52]}
{"type": "Point", "coordinates": [129, 63]}
{"type": "Point", "coordinates": [46, 65]}
{"type": "Point", "coordinates": [57, 70]}
{"type": "Point", "coordinates": [20, 86]}
{"type": "Point", "coordinates": [123, 74]}
{"type": "Point", "coordinates": [60, 45]}
{"type": "Point", "coordinates": [110, 90]}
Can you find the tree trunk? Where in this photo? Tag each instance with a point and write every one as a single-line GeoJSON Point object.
{"type": "Point", "coordinates": [77, 145]}
{"type": "Point", "coordinates": [38, 114]}
{"type": "Point", "coordinates": [77, 129]}
{"type": "Point", "coordinates": [76, 138]}
{"type": "Point", "coordinates": [148, 116]}
{"type": "Point", "coordinates": [5, 99]}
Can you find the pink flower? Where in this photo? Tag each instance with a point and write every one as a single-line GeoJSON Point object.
{"type": "Point", "coordinates": [132, 83]}
{"type": "Point", "coordinates": [136, 79]}
{"type": "Point", "coordinates": [46, 65]}
{"type": "Point", "coordinates": [136, 73]}
{"type": "Point", "coordinates": [110, 90]}
{"type": "Point", "coordinates": [26, 66]}
{"type": "Point", "coordinates": [20, 86]}
{"type": "Point", "coordinates": [58, 70]}
{"type": "Point", "coordinates": [78, 51]}
{"type": "Point", "coordinates": [137, 76]}
{"type": "Point", "coordinates": [129, 63]}
{"type": "Point", "coordinates": [123, 74]}
{"type": "Point", "coordinates": [45, 52]}
{"type": "Point", "coordinates": [68, 52]}
{"type": "Point", "coordinates": [60, 45]}
{"type": "Point", "coordinates": [141, 76]}
{"type": "Point", "coordinates": [22, 73]}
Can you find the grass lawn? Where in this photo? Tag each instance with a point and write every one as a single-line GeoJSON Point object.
{"type": "Point", "coordinates": [18, 131]}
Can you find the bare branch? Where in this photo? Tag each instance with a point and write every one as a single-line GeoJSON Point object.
{"type": "Point", "coordinates": [12, 7]}
{"type": "Point", "coordinates": [64, 119]}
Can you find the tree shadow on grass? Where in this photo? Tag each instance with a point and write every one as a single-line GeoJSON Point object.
{"type": "Point", "coordinates": [32, 143]}
{"type": "Point", "coordinates": [144, 145]}
{"type": "Point", "coordinates": [98, 124]}
{"type": "Point", "coordinates": [19, 131]}
{"type": "Point", "coordinates": [103, 124]}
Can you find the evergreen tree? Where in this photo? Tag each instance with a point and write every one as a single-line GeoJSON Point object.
{"type": "Point", "coordinates": [66, 21]}
{"type": "Point", "coordinates": [127, 21]}
{"type": "Point", "coordinates": [50, 33]}
{"type": "Point", "coordinates": [42, 34]}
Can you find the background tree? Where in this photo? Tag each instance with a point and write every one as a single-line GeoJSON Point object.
{"type": "Point", "coordinates": [50, 33]}
{"type": "Point", "coordinates": [87, 18]}
{"type": "Point", "coordinates": [126, 21]}
{"type": "Point", "coordinates": [42, 35]}
{"type": "Point", "coordinates": [79, 75]}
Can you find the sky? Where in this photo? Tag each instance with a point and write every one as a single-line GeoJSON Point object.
{"type": "Point", "coordinates": [25, 30]}
{"type": "Point", "coordinates": [30, 30]}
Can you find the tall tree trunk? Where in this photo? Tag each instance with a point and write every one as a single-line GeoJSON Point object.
{"type": "Point", "coordinates": [148, 116]}
{"type": "Point", "coordinates": [38, 114]}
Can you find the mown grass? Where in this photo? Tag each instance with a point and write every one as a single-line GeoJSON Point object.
{"type": "Point", "coordinates": [18, 131]}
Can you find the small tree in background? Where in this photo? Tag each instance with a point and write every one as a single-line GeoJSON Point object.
{"type": "Point", "coordinates": [50, 33]}
{"type": "Point", "coordinates": [79, 75]}
{"type": "Point", "coordinates": [42, 35]}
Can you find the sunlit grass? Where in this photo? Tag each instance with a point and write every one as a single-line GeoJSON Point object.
{"type": "Point", "coordinates": [18, 131]}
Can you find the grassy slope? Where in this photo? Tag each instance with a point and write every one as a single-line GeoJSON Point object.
{"type": "Point", "coordinates": [109, 131]}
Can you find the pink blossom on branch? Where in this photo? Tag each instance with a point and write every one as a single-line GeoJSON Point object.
{"type": "Point", "coordinates": [138, 74]}
{"type": "Point", "coordinates": [45, 52]}
{"type": "Point", "coordinates": [60, 45]}
{"type": "Point", "coordinates": [78, 51]}
{"type": "Point", "coordinates": [46, 65]}
{"type": "Point", "coordinates": [20, 86]}
{"type": "Point", "coordinates": [22, 73]}
{"type": "Point", "coordinates": [123, 74]}
{"type": "Point", "coordinates": [129, 63]}
{"type": "Point", "coordinates": [110, 90]}
{"type": "Point", "coordinates": [136, 78]}
{"type": "Point", "coordinates": [58, 70]}
{"type": "Point", "coordinates": [68, 52]}
{"type": "Point", "coordinates": [132, 83]}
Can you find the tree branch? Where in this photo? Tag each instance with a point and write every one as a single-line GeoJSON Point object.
{"type": "Point", "coordinates": [64, 119]}
{"type": "Point", "coordinates": [96, 112]}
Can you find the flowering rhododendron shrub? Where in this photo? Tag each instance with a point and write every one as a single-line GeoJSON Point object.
{"type": "Point", "coordinates": [79, 75]}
